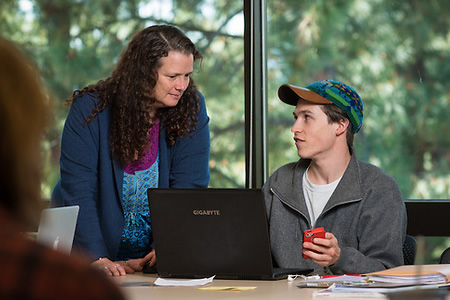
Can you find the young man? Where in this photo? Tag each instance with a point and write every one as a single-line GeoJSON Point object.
{"type": "Point", "coordinates": [359, 206]}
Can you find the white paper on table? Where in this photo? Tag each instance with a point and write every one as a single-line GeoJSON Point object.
{"type": "Point", "coordinates": [191, 282]}
{"type": "Point", "coordinates": [375, 290]}
{"type": "Point", "coordinates": [336, 279]}
{"type": "Point", "coordinates": [435, 278]}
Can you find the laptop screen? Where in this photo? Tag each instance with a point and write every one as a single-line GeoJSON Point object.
{"type": "Point", "coordinates": [57, 227]}
{"type": "Point", "coordinates": [204, 232]}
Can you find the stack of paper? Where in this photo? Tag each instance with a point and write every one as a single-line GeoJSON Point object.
{"type": "Point", "coordinates": [436, 278]}
{"type": "Point", "coordinates": [414, 274]}
{"type": "Point", "coordinates": [414, 278]}
{"type": "Point", "coordinates": [374, 290]}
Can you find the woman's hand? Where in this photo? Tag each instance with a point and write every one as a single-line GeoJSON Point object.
{"type": "Point", "coordinates": [121, 268]}
{"type": "Point", "coordinates": [136, 265]}
{"type": "Point", "coordinates": [324, 252]}
{"type": "Point", "coordinates": [151, 258]}
{"type": "Point", "coordinates": [111, 268]}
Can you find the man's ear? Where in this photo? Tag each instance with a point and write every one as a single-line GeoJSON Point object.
{"type": "Point", "coordinates": [342, 126]}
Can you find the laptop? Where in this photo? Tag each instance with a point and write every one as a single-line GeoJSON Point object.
{"type": "Point", "coordinates": [204, 232]}
{"type": "Point", "coordinates": [57, 227]}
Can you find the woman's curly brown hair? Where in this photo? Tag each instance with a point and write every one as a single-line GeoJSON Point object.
{"type": "Point", "coordinates": [129, 92]}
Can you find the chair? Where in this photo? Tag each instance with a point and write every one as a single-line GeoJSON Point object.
{"type": "Point", "coordinates": [409, 250]}
{"type": "Point", "coordinates": [445, 257]}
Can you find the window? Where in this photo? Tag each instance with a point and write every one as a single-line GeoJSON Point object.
{"type": "Point", "coordinates": [76, 44]}
{"type": "Point", "coordinates": [396, 55]}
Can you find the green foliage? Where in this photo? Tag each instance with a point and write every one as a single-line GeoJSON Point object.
{"type": "Point", "coordinates": [76, 43]}
{"type": "Point", "coordinates": [395, 54]}
{"type": "Point", "coordinates": [434, 246]}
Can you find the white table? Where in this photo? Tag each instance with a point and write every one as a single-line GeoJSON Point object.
{"type": "Point", "coordinates": [276, 290]}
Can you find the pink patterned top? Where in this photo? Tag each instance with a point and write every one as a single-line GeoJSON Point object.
{"type": "Point", "coordinates": [150, 153]}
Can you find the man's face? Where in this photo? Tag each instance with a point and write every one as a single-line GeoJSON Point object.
{"type": "Point", "coordinates": [314, 137]}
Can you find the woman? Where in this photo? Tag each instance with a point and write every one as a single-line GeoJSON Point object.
{"type": "Point", "coordinates": [30, 270]}
{"type": "Point", "coordinates": [143, 127]}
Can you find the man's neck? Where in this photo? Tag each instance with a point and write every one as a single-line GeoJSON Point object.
{"type": "Point", "coordinates": [330, 168]}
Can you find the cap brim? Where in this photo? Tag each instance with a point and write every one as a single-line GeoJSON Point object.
{"type": "Point", "coordinates": [290, 94]}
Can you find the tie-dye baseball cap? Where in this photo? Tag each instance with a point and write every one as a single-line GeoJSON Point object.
{"type": "Point", "coordinates": [326, 92]}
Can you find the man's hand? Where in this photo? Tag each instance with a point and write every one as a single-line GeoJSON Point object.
{"type": "Point", "coordinates": [324, 252]}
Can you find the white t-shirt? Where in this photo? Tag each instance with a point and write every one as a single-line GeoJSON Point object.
{"type": "Point", "coordinates": [317, 196]}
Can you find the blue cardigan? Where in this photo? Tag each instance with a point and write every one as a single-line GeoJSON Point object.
{"type": "Point", "coordinates": [91, 179]}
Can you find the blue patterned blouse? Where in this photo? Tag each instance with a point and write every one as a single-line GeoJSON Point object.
{"type": "Point", "coordinates": [137, 232]}
{"type": "Point", "coordinates": [139, 176]}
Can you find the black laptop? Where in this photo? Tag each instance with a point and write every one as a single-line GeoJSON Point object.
{"type": "Point", "coordinates": [203, 232]}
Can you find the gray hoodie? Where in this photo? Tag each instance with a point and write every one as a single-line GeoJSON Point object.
{"type": "Point", "coordinates": [366, 213]}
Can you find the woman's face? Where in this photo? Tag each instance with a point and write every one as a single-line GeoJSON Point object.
{"type": "Point", "coordinates": [173, 78]}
